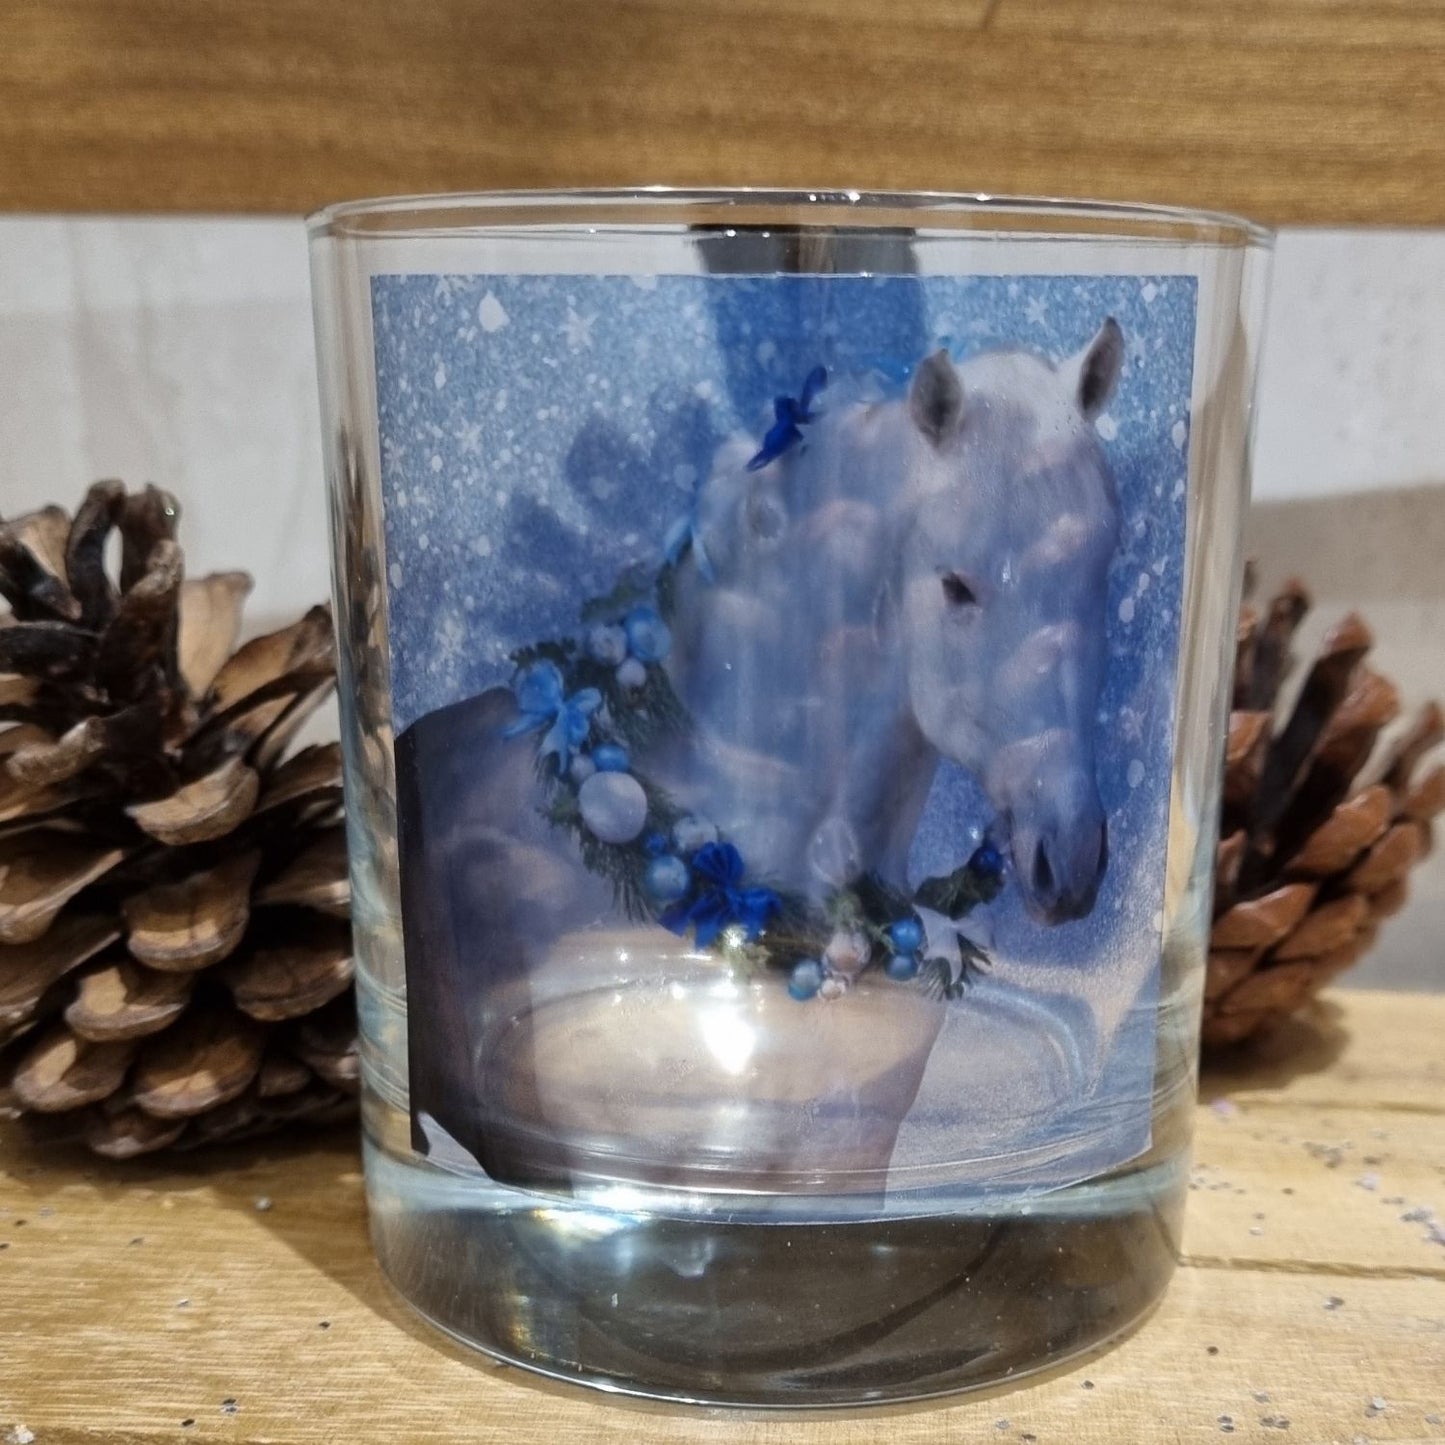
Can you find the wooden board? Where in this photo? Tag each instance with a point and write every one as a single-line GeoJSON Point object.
{"type": "Point", "coordinates": [1289, 110]}
{"type": "Point", "coordinates": [133, 1299]}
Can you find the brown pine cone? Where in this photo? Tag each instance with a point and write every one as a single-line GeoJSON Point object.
{"type": "Point", "coordinates": [1316, 843]}
{"type": "Point", "coordinates": [175, 955]}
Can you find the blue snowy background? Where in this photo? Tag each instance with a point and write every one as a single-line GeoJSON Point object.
{"type": "Point", "coordinates": [540, 433]}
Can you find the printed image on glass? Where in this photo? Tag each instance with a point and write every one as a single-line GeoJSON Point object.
{"type": "Point", "coordinates": [782, 673]}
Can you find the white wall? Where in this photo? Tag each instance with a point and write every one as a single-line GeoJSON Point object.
{"type": "Point", "coordinates": [179, 351]}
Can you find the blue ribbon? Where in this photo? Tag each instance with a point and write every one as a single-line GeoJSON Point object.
{"type": "Point", "coordinates": [791, 415]}
{"type": "Point", "coordinates": [541, 696]}
{"type": "Point", "coordinates": [683, 534]}
{"type": "Point", "coordinates": [719, 899]}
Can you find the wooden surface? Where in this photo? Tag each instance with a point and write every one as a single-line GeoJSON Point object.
{"type": "Point", "coordinates": [1289, 110]}
{"type": "Point", "coordinates": [136, 1299]}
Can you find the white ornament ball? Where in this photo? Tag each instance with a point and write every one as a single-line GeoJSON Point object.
{"type": "Point", "coordinates": [691, 833]}
{"type": "Point", "coordinates": [846, 953]}
{"type": "Point", "coordinates": [631, 675]}
{"type": "Point", "coordinates": [614, 807]}
{"type": "Point", "coordinates": [607, 643]}
{"type": "Point", "coordinates": [833, 987]}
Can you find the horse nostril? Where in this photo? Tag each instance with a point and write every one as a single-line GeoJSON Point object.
{"type": "Point", "coordinates": [1043, 873]}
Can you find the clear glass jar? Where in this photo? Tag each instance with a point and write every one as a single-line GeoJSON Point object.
{"type": "Point", "coordinates": [785, 643]}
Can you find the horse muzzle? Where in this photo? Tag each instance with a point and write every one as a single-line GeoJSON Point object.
{"type": "Point", "coordinates": [1059, 873]}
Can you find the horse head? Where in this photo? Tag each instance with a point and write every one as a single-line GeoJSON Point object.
{"type": "Point", "coordinates": [1001, 596]}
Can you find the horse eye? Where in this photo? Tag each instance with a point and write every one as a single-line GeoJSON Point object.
{"type": "Point", "coordinates": [957, 591]}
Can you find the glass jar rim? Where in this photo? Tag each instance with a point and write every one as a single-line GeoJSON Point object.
{"type": "Point", "coordinates": [576, 213]}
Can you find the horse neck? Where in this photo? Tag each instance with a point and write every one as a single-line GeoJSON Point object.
{"type": "Point", "coordinates": [790, 665]}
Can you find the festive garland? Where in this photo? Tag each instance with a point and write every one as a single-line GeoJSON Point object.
{"type": "Point", "coordinates": [594, 699]}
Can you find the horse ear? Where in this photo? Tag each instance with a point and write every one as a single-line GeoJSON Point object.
{"type": "Point", "coordinates": [935, 400]}
{"type": "Point", "coordinates": [1097, 367]}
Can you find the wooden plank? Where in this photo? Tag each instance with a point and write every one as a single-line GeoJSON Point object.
{"type": "Point", "coordinates": [1306, 1189]}
{"type": "Point", "coordinates": [103, 1348]}
{"type": "Point", "coordinates": [1291, 110]}
{"type": "Point", "coordinates": [1302, 26]}
{"type": "Point", "coordinates": [135, 1298]}
{"type": "Point", "coordinates": [1368, 1049]}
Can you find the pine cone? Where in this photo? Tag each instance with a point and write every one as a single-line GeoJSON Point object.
{"type": "Point", "coordinates": [175, 957]}
{"type": "Point", "coordinates": [1316, 845]}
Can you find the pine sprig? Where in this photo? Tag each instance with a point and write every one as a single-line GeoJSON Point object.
{"type": "Point", "coordinates": [667, 591]}
{"type": "Point", "coordinates": [653, 712]}
{"type": "Point", "coordinates": [958, 893]}
{"type": "Point", "coordinates": [562, 652]}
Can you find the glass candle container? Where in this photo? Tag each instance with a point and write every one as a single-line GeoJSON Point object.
{"type": "Point", "coordinates": [785, 646]}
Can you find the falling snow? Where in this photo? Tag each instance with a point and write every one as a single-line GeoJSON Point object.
{"type": "Point", "coordinates": [535, 444]}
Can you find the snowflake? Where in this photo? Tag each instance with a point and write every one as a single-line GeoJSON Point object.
{"type": "Point", "coordinates": [491, 314]}
{"type": "Point", "coordinates": [1131, 724]}
{"type": "Point", "coordinates": [469, 438]}
{"type": "Point", "coordinates": [1036, 310]}
{"type": "Point", "coordinates": [577, 329]}
{"type": "Point", "coordinates": [451, 640]}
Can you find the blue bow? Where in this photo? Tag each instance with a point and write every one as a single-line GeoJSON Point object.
{"type": "Point", "coordinates": [791, 415]}
{"type": "Point", "coordinates": [541, 695]}
{"type": "Point", "coordinates": [719, 900]}
{"type": "Point", "coordinates": [685, 533]}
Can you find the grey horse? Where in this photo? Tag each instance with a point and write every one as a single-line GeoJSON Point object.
{"type": "Point", "coordinates": [923, 578]}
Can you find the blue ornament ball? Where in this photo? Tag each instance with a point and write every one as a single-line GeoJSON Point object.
{"type": "Point", "coordinates": [606, 643]}
{"type": "Point", "coordinates": [648, 637]}
{"type": "Point", "coordinates": [905, 936]}
{"type": "Point", "coordinates": [666, 879]}
{"type": "Point", "coordinates": [806, 979]}
{"type": "Point", "coordinates": [987, 861]}
{"type": "Point", "coordinates": [902, 966]}
{"type": "Point", "coordinates": [611, 758]}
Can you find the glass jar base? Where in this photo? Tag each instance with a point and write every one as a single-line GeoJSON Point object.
{"type": "Point", "coordinates": [715, 1309]}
